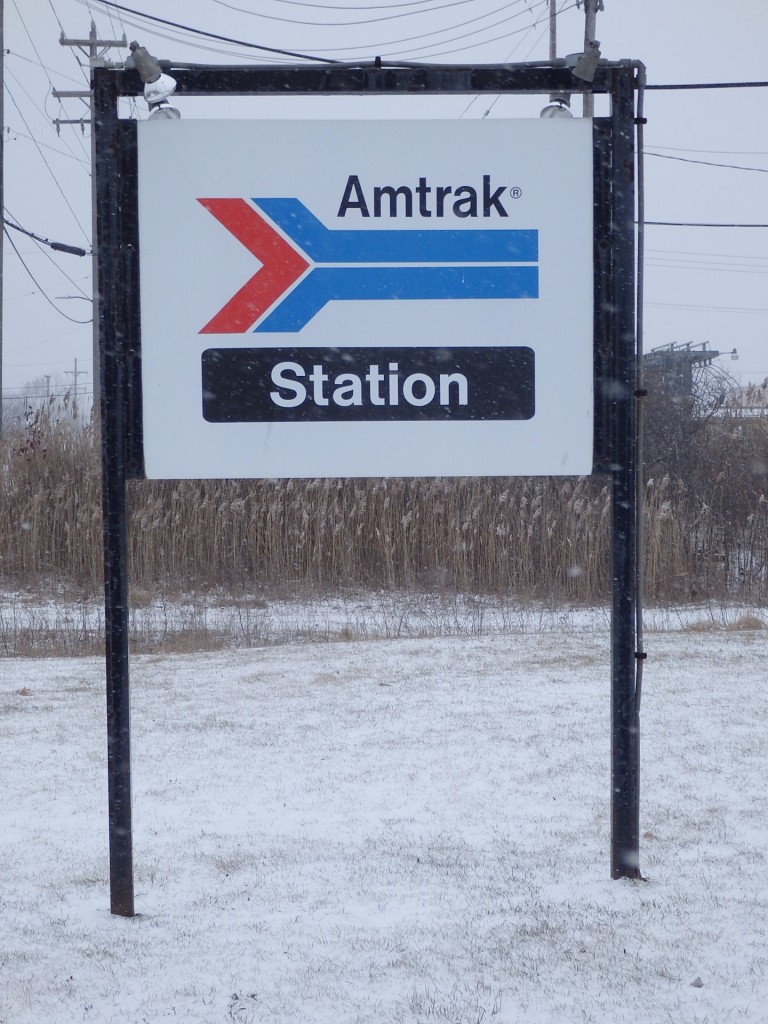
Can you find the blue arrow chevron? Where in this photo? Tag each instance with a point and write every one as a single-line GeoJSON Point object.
{"type": "Point", "coordinates": [387, 246]}
{"type": "Point", "coordinates": [324, 284]}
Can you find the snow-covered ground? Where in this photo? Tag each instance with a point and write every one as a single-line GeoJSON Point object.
{"type": "Point", "coordinates": [413, 829]}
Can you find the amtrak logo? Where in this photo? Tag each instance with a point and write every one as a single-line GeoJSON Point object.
{"type": "Point", "coordinates": [305, 265]}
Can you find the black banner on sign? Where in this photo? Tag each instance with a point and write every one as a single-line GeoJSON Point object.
{"type": "Point", "coordinates": [300, 385]}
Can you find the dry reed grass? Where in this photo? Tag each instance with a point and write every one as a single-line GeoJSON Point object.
{"type": "Point", "coordinates": [539, 539]}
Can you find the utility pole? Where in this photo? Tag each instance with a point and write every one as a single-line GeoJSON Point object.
{"type": "Point", "coordinates": [96, 48]}
{"type": "Point", "coordinates": [553, 30]}
{"type": "Point", "coordinates": [2, 195]}
{"type": "Point", "coordinates": [591, 7]}
{"type": "Point", "coordinates": [75, 374]}
{"type": "Point", "coordinates": [559, 103]}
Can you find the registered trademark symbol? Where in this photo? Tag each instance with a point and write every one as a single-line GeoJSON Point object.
{"type": "Point", "coordinates": [515, 192]}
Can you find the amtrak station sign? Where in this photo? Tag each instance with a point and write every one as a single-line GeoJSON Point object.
{"type": "Point", "coordinates": [373, 298]}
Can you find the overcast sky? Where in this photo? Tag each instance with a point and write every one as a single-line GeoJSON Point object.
{"type": "Point", "coordinates": [702, 284]}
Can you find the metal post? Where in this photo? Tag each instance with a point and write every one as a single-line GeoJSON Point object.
{"type": "Point", "coordinates": [591, 7]}
{"type": "Point", "coordinates": [625, 728]}
{"type": "Point", "coordinates": [93, 53]}
{"type": "Point", "coordinates": [112, 300]}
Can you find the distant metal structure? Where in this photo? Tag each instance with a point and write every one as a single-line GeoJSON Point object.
{"type": "Point", "coordinates": [615, 370]}
{"type": "Point", "coordinates": [675, 363]}
{"type": "Point", "coordinates": [748, 403]}
{"type": "Point", "coordinates": [679, 351]}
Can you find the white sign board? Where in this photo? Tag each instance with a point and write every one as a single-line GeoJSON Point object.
{"type": "Point", "coordinates": [378, 298]}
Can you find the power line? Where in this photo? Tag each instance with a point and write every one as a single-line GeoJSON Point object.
{"type": "Point", "coordinates": [39, 59]}
{"type": "Point", "coordinates": [27, 392]}
{"type": "Point", "coordinates": [192, 41]}
{"type": "Point", "coordinates": [74, 250]}
{"type": "Point", "coordinates": [362, 7]}
{"type": "Point", "coordinates": [719, 255]}
{"type": "Point", "coordinates": [112, 23]}
{"type": "Point", "coordinates": [721, 152]}
{"type": "Point", "coordinates": [83, 295]}
{"type": "Point", "coordinates": [58, 19]}
{"type": "Point", "coordinates": [709, 309]}
{"type": "Point", "coordinates": [42, 291]}
{"type": "Point", "coordinates": [212, 35]}
{"type": "Point", "coordinates": [709, 268]}
{"type": "Point", "coordinates": [38, 108]}
{"type": "Point", "coordinates": [304, 56]}
{"type": "Point", "coordinates": [507, 58]}
{"type": "Point", "coordinates": [482, 42]}
{"type": "Point", "coordinates": [344, 24]}
{"type": "Point", "coordinates": [519, 43]}
{"type": "Point", "coordinates": [379, 46]}
{"type": "Point", "coordinates": [542, 20]}
{"type": "Point", "coordinates": [41, 344]}
{"type": "Point", "coordinates": [29, 37]}
{"type": "Point", "coordinates": [755, 265]}
{"type": "Point", "coordinates": [42, 157]}
{"type": "Point", "coordinates": [37, 63]}
{"type": "Point", "coordinates": [706, 163]}
{"type": "Point", "coordinates": [420, 51]}
{"type": "Point", "coordinates": [710, 85]}
{"type": "Point", "coordinates": [59, 152]}
{"type": "Point", "coordinates": [187, 40]}
{"type": "Point", "coordinates": [697, 224]}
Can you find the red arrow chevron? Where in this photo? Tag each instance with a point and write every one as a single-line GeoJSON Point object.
{"type": "Point", "coordinates": [281, 266]}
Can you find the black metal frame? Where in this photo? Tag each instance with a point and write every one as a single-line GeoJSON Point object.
{"type": "Point", "coordinates": [120, 370]}
{"type": "Point", "coordinates": [616, 451]}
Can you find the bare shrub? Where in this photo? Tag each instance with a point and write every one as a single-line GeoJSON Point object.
{"type": "Point", "coordinates": [50, 499]}
{"type": "Point", "coordinates": [746, 622]}
{"type": "Point", "coordinates": [546, 539]}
